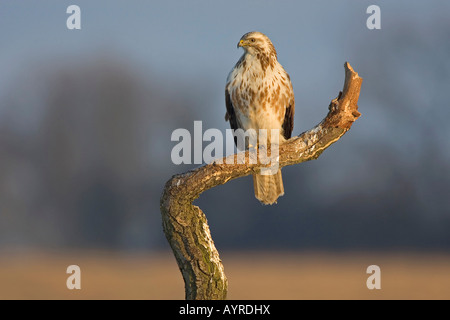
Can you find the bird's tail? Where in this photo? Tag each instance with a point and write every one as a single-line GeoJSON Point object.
{"type": "Point", "coordinates": [268, 187]}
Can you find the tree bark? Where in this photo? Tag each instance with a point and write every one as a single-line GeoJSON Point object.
{"type": "Point", "coordinates": [185, 225]}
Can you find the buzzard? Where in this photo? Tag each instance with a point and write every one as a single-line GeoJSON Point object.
{"type": "Point", "coordinates": [259, 95]}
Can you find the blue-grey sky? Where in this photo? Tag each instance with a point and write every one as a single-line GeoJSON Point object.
{"type": "Point", "coordinates": [196, 40]}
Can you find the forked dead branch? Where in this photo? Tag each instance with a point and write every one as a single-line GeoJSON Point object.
{"type": "Point", "coordinates": [185, 225]}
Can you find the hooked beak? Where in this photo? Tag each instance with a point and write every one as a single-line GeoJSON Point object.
{"type": "Point", "coordinates": [241, 43]}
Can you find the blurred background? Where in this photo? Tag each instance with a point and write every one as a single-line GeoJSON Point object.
{"type": "Point", "coordinates": [86, 118]}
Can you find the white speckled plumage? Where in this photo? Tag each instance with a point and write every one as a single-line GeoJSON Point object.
{"type": "Point", "coordinates": [259, 95]}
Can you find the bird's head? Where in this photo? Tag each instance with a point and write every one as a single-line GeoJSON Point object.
{"type": "Point", "coordinates": [257, 43]}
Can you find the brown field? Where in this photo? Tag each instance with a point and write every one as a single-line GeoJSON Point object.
{"type": "Point", "coordinates": [250, 276]}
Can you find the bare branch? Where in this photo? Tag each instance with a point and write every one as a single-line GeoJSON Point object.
{"type": "Point", "coordinates": [185, 225]}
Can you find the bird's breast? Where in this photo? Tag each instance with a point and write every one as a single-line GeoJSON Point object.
{"type": "Point", "coordinates": [259, 96]}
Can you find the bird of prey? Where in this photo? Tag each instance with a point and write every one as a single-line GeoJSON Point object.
{"type": "Point", "coordinates": [259, 95]}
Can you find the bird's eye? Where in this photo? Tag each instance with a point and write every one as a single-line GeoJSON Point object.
{"type": "Point", "coordinates": [253, 40]}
